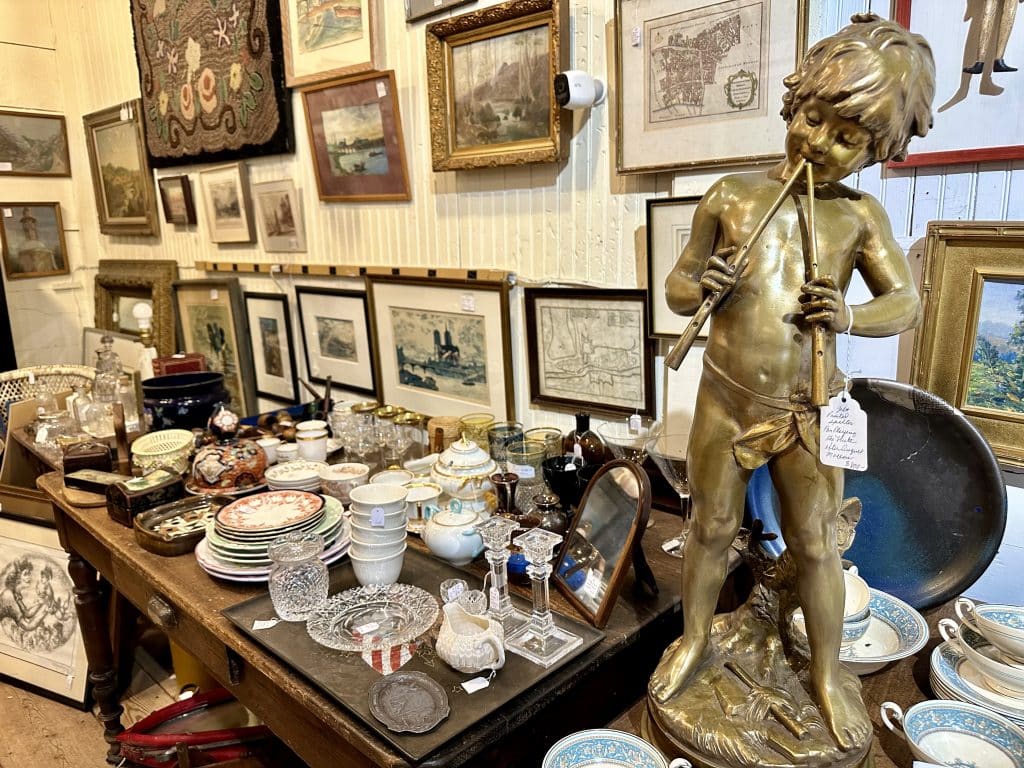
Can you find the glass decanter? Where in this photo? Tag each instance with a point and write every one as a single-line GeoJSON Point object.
{"type": "Point", "coordinates": [497, 532]}
{"type": "Point", "coordinates": [298, 577]}
{"type": "Point", "coordinates": [541, 641]}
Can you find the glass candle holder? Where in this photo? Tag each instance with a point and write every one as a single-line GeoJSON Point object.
{"type": "Point", "coordinates": [298, 577]}
{"type": "Point", "coordinates": [474, 426]}
{"type": "Point", "coordinates": [500, 436]}
{"type": "Point", "coordinates": [496, 533]}
{"type": "Point", "coordinates": [550, 436]}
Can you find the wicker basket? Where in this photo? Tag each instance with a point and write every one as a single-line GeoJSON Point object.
{"type": "Point", "coordinates": [15, 386]}
{"type": "Point", "coordinates": [165, 448]}
{"type": "Point", "coordinates": [442, 431]}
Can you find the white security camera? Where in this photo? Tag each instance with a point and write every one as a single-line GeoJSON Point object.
{"type": "Point", "coordinates": [575, 89]}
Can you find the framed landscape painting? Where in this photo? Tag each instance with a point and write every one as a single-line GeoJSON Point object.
{"type": "Point", "coordinates": [328, 40]}
{"type": "Point", "coordinates": [444, 345]}
{"type": "Point", "coordinates": [33, 145]}
{"type": "Point", "coordinates": [273, 354]}
{"type": "Point", "coordinates": [279, 213]}
{"type": "Point", "coordinates": [336, 338]}
{"type": "Point", "coordinates": [969, 349]}
{"type": "Point", "coordinates": [176, 196]}
{"type": "Point", "coordinates": [228, 206]}
{"type": "Point", "coordinates": [121, 179]}
{"type": "Point", "coordinates": [490, 76]}
{"type": "Point", "coordinates": [32, 235]}
{"type": "Point", "coordinates": [589, 349]}
{"type": "Point", "coordinates": [355, 131]}
{"type": "Point", "coordinates": [41, 645]}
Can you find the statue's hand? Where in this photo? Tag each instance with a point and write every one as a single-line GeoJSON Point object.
{"type": "Point", "coordinates": [718, 276]}
{"type": "Point", "coordinates": [823, 303]}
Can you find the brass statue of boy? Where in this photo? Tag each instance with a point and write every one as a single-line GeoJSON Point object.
{"type": "Point", "coordinates": [857, 98]}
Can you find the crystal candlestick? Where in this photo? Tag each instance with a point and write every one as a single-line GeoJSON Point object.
{"type": "Point", "coordinates": [496, 533]}
{"type": "Point", "coordinates": [541, 641]}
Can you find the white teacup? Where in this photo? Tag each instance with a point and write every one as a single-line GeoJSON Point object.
{"type": "Point", "coordinates": [312, 445]}
{"type": "Point", "coordinates": [1001, 625]}
{"type": "Point", "coordinates": [269, 446]}
{"type": "Point", "coordinates": [390, 498]}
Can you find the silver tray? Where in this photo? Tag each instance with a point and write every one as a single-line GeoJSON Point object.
{"type": "Point", "coordinates": [408, 702]}
{"type": "Point", "coordinates": [373, 617]}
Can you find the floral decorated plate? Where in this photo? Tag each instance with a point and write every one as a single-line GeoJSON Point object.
{"type": "Point", "coordinates": [273, 510]}
{"type": "Point", "coordinates": [605, 748]}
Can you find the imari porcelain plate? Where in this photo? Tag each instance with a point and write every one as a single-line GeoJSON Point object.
{"type": "Point", "coordinates": [273, 510]}
{"type": "Point", "coordinates": [604, 748]}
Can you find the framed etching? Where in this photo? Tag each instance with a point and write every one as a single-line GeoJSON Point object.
{"type": "Point", "coordinates": [279, 214]}
{"type": "Point", "coordinates": [324, 41]}
{"type": "Point", "coordinates": [589, 348]}
{"type": "Point", "coordinates": [121, 179]}
{"type": "Point", "coordinates": [212, 80]}
{"type": "Point", "coordinates": [490, 76]}
{"type": "Point", "coordinates": [444, 344]}
{"type": "Point", "coordinates": [705, 80]}
{"type": "Point", "coordinates": [176, 196]}
{"type": "Point", "coordinates": [273, 354]}
{"type": "Point", "coordinates": [668, 229]}
{"type": "Point", "coordinates": [355, 132]}
{"type": "Point", "coordinates": [974, 85]}
{"type": "Point", "coordinates": [969, 349]}
{"type": "Point", "coordinates": [41, 645]}
{"type": "Point", "coordinates": [32, 144]}
{"type": "Point", "coordinates": [421, 9]}
{"type": "Point", "coordinates": [336, 338]}
{"type": "Point", "coordinates": [228, 206]}
{"type": "Point", "coordinates": [212, 320]}
{"type": "Point", "coordinates": [32, 235]}
{"type": "Point", "coordinates": [122, 283]}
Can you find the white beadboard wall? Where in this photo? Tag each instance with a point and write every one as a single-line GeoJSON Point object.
{"type": "Point", "coordinates": [580, 222]}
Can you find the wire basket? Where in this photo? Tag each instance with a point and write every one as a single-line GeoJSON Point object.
{"type": "Point", "coordinates": [165, 448]}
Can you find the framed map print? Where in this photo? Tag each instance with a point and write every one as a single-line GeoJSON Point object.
{"type": "Point", "coordinates": [705, 81]}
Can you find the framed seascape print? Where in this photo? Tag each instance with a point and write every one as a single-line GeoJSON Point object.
{"type": "Point", "coordinates": [705, 82]}
{"type": "Point", "coordinates": [589, 348]}
{"type": "Point", "coordinates": [421, 9]}
{"type": "Point", "coordinates": [32, 235]}
{"type": "Point", "coordinates": [977, 49]}
{"type": "Point", "coordinates": [355, 132]}
{"type": "Point", "coordinates": [328, 40]}
{"type": "Point", "coordinates": [227, 205]}
{"type": "Point", "coordinates": [120, 284]}
{"type": "Point", "coordinates": [969, 349]}
{"type": "Point", "coordinates": [490, 76]}
{"type": "Point", "coordinates": [273, 355]}
{"type": "Point", "coordinates": [444, 345]}
{"type": "Point", "coordinates": [121, 179]}
{"type": "Point", "coordinates": [668, 229]}
{"type": "Point", "coordinates": [336, 338]}
{"type": "Point", "coordinates": [279, 213]}
{"type": "Point", "coordinates": [41, 644]}
{"type": "Point", "coordinates": [212, 320]}
{"type": "Point", "coordinates": [176, 196]}
{"type": "Point", "coordinates": [212, 80]}
{"type": "Point", "coordinates": [33, 145]}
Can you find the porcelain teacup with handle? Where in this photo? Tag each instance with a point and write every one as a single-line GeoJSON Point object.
{"type": "Point", "coordinates": [1000, 673]}
{"type": "Point", "coordinates": [1001, 625]}
{"type": "Point", "coordinates": [470, 643]}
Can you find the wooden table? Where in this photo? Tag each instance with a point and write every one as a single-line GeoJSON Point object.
{"type": "Point", "coordinates": [184, 601]}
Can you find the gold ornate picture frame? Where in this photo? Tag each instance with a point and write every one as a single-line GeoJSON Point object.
{"type": "Point", "coordinates": [970, 347]}
{"type": "Point", "coordinates": [120, 283]}
{"type": "Point", "coordinates": [490, 76]}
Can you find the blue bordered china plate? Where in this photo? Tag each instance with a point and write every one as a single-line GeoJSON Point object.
{"type": "Point", "coordinates": [954, 676]}
{"type": "Point", "coordinates": [895, 632]}
{"type": "Point", "coordinates": [603, 748]}
{"type": "Point", "coordinates": [960, 734]}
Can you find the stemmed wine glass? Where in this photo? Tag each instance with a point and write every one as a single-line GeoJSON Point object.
{"type": "Point", "coordinates": [668, 451]}
{"type": "Point", "coordinates": [628, 438]}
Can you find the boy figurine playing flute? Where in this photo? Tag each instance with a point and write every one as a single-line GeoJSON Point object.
{"type": "Point", "coordinates": [857, 98]}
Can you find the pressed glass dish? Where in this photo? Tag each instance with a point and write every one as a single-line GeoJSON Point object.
{"type": "Point", "coordinates": [373, 617]}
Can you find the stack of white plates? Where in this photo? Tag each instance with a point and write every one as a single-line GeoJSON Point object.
{"type": "Point", "coordinates": [235, 547]}
{"type": "Point", "coordinates": [298, 475]}
{"type": "Point", "coordinates": [953, 676]}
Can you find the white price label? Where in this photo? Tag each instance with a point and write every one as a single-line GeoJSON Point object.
{"type": "Point", "coordinates": [525, 471]}
{"type": "Point", "coordinates": [454, 592]}
{"type": "Point", "coordinates": [8, 212]}
{"type": "Point", "coordinates": [635, 422]}
{"type": "Point", "coordinates": [259, 624]}
{"type": "Point", "coordinates": [844, 434]}
{"type": "Point", "coordinates": [214, 295]}
{"type": "Point", "coordinates": [438, 3]}
{"type": "Point", "coordinates": [382, 89]}
{"type": "Point", "coordinates": [636, 37]}
{"type": "Point", "coordinates": [377, 517]}
{"type": "Point", "coordinates": [366, 629]}
{"type": "Point", "coordinates": [577, 451]}
{"type": "Point", "coordinates": [476, 684]}
{"type": "Point", "coordinates": [6, 166]}
{"type": "Point", "coordinates": [468, 302]}
{"type": "Point", "coordinates": [570, 466]}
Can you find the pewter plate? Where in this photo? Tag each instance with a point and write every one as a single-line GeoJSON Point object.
{"type": "Point", "coordinates": [373, 617]}
{"type": "Point", "coordinates": [408, 702]}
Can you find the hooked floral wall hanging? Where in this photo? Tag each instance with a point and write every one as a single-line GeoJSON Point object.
{"type": "Point", "coordinates": [211, 78]}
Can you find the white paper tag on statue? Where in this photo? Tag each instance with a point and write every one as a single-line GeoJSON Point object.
{"type": "Point", "coordinates": [844, 434]}
{"type": "Point", "coordinates": [525, 471]}
{"type": "Point", "coordinates": [377, 517]}
{"type": "Point", "coordinates": [476, 684]}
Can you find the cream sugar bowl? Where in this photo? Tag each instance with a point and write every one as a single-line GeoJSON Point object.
{"type": "Point", "coordinates": [452, 534]}
{"type": "Point", "coordinates": [464, 472]}
{"type": "Point", "coordinates": [470, 643]}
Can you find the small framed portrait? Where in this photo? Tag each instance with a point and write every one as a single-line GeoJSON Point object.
{"type": "Point", "coordinates": [336, 338]}
{"type": "Point", "coordinates": [176, 196]}
{"type": "Point", "coordinates": [226, 200]}
{"type": "Point", "coordinates": [279, 214]}
{"type": "Point", "coordinates": [273, 354]}
{"type": "Point", "coordinates": [33, 240]}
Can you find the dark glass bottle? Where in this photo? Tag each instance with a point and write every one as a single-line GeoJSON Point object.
{"type": "Point", "coordinates": [591, 447]}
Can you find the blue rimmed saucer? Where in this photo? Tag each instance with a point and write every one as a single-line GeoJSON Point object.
{"type": "Point", "coordinates": [953, 676]}
{"type": "Point", "coordinates": [604, 748]}
{"type": "Point", "coordinates": [895, 632]}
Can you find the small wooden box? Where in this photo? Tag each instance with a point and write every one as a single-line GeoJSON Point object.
{"type": "Point", "coordinates": [92, 480]}
{"type": "Point", "coordinates": [127, 498]}
{"type": "Point", "coordinates": [88, 455]}
{"type": "Point", "coordinates": [186, 362]}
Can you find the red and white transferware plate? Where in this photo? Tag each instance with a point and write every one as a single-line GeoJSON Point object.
{"type": "Point", "coordinates": [270, 511]}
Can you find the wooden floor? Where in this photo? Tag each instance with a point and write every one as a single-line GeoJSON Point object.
{"type": "Point", "coordinates": [37, 732]}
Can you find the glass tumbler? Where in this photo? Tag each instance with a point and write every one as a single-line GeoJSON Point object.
{"type": "Point", "coordinates": [298, 577]}
{"type": "Point", "coordinates": [474, 426]}
{"type": "Point", "coordinates": [550, 436]}
{"type": "Point", "coordinates": [500, 436]}
{"type": "Point", "coordinates": [525, 459]}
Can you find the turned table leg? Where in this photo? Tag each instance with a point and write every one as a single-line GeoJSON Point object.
{"type": "Point", "coordinates": [92, 618]}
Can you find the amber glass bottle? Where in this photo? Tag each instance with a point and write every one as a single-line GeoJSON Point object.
{"type": "Point", "coordinates": [591, 446]}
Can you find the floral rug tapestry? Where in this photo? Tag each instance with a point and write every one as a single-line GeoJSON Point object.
{"type": "Point", "coordinates": [212, 79]}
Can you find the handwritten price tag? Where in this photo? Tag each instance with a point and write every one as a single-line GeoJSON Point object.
{"type": "Point", "coordinates": [844, 434]}
{"type": "Point", "coordinates": [377, 517]}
